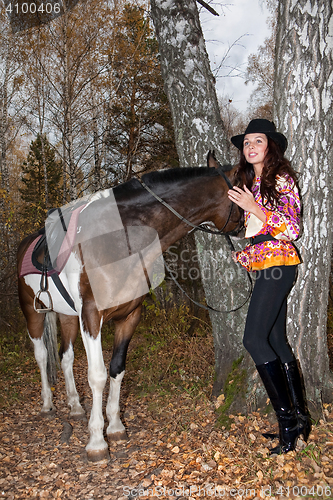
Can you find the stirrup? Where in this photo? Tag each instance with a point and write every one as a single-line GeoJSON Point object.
{"type": "Point", "coordinates": [41, 310]}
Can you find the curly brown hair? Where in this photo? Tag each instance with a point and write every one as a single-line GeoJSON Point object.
{"type": "Point", "coordinates": [275, 164]}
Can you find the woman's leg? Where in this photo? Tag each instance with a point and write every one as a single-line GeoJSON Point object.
{"type": "Point", "coordinates": [278, 336]}
{"type": "Point", "coordinates": [270, 291]}
{"type": "Point", "coordinates": [277, 340]}
{"type": "Point", "coordinates": [279, 343]}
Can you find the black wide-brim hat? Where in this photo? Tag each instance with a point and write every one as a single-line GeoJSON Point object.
{"type": "Point", "coordinates": [261, 126]}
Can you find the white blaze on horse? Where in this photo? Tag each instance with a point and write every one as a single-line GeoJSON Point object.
{"type": "Point", "coordinates": [100, 266]}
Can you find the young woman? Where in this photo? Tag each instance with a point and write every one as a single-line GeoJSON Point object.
{"type": "Point", "coordinates": [268, 194]}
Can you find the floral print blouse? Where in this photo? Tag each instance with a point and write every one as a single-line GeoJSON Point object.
{"type": "Point", "coordinates": [282, 222]}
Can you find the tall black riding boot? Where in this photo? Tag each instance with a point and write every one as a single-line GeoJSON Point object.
{"type": "Point", "coordinates": [276, 385]}
{"type": "Point", "coordinates": [297, 393]}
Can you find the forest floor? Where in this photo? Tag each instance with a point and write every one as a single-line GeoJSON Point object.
{"type": "Point", "coordinates": [175, 447]}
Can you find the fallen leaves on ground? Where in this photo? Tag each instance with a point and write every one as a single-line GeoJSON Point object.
{"type": "Point", "coordinates": [174, 451]}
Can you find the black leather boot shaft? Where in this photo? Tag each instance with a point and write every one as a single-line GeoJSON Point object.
{"type": "Point", "coordinates": [274, 379]}
{"type": "Point", "coordinates": [297, 393]}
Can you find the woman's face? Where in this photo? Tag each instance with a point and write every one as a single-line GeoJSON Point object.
{"type": "Point", "coordinates": [254, 149]}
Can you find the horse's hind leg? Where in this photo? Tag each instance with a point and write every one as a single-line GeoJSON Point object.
{"type": "Point", "coordinates": [69, 330]}
{"type": "Point", "coordinates": [123, 334]}
{"type": "Point", "coordinates": [35, 324]}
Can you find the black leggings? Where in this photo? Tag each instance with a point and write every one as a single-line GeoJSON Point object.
{"type": "Point", "coordinates": [265, 330]}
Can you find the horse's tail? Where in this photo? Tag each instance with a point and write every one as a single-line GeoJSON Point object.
{"type": "Point", "coordinates": [51, 344]}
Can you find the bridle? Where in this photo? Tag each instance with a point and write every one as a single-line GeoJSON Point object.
{"type": "Point", "coordinates": [201, 227]}
{"type": "Point", "coordinates": [206, 229]}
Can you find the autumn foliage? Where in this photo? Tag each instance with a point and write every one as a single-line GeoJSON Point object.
{"type": "Point", "coordinates": [82, 108]}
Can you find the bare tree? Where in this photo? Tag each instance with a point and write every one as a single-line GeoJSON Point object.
{"type": "Point", "coordinates": [260, 70]}
{"type": "Point", "coordinates": [234, 122]}
{"type": "Point", "coordinates": [37, 87]}
{"type": "Point", "coordinates": [10, 124]}
{"type": "Point", "coordinates": [68, 58]}
{"type": "Point", "coordinates": [303, 110]}
{"type": "Point", "coordinates": [10, 82]}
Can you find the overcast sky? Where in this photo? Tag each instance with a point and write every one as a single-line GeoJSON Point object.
{"type": "Point", "coordinates": [240, 18]}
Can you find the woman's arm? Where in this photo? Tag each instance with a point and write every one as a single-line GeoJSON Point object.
{"type": "Point", "coordinates": [284, 221]}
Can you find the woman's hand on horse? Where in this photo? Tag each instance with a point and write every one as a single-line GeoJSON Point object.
{"type": "Point", "coordinates": [243, 198]}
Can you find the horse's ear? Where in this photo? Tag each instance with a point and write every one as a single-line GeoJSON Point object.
{"type": "Point", "coordinates": [213, 163]}
{"type": "Point", "coordinates": [211, 160]}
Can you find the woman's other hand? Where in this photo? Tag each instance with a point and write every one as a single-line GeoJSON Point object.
{"type": "Point", "coordinates": [233, 256]}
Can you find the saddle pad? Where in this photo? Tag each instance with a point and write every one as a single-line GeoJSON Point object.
{"type": "Point", "coordinates": [27, 266]}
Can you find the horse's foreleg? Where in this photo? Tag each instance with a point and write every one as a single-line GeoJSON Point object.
{"type": "Point", "coordinates": [116, 430]}
{"type": "Point", "coordinates": [91, 323]}
{"type": "Point", "coordinates": [69, 329]}
{"type": "Point", "coordinates": [123, 334]}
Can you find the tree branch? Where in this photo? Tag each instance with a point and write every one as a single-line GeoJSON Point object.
{"type": "Point", "coordinates": [208, 7]}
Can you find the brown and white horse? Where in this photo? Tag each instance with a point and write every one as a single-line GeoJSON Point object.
{"type": "Point", "coordinates": [198, 194]}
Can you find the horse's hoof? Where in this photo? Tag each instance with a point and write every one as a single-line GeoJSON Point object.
{"type": "Point", "coordinates": [66, 433]}
{"type": "Point", "coordinates": [78, 415]}
{"type": "Point", "coordinates": [101, 456]}
{"type": "Point", "coordinates": [78, 418]}
{"type": "Point", "coordinates": [117, 436]}
{"type": "Point", "coordinates": [48, 413]}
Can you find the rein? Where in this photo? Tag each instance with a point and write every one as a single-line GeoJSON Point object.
{"type": "Point", "coordinates": [205, 229]}
{"type": "Point", "coordinates": [208, 307]}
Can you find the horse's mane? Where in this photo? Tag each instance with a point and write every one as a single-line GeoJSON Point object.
{"type": "Point", "coordinates": [163, 177]}
{"type": "Point", "coordinates": [177, 174]}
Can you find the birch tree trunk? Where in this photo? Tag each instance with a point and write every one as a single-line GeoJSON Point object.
{"type": "Point", "coordinates": [3, 131]}
{"type": "Point", "coordinates": [10, 123]}
{"type": "Point", "coordinates": [97, 142]}
{"type": "Point", "coordinates": [303, 111]}
{"type": "Point", "coordinates": [40, 101]}
{"type": "Point", "coordinates": [68, 122]}
{"type": "Point", "coordinates": [190, 87]}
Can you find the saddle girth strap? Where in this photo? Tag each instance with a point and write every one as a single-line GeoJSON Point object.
{"type": "Point", "coordinates": [59, 284]}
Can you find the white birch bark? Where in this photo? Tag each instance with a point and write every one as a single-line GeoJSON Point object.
{"type": "Point", "coordinates": [188, 81]}
{"type": "Point", "coordinates": [190, 87]}
{"type": "Point", "coordinates": [303, 111]}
